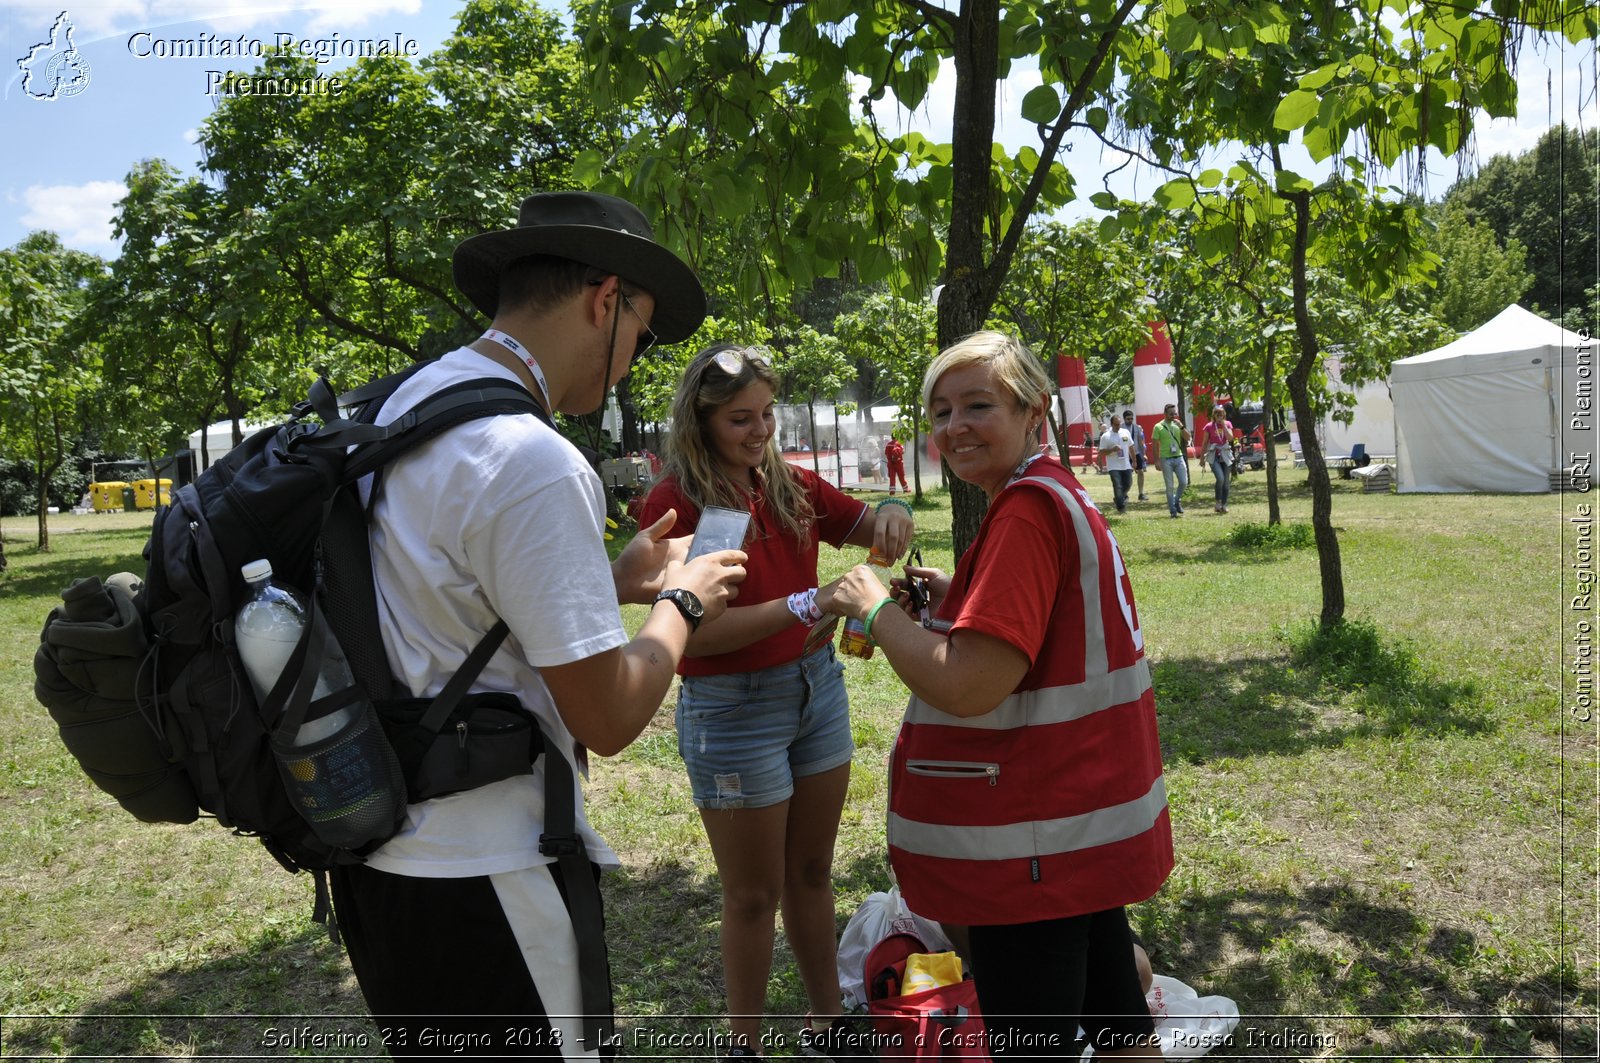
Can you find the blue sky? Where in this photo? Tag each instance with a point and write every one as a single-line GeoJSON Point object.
{"type": "Point", "coordinates": [65, 158]}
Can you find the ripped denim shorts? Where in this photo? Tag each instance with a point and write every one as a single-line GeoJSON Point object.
{"type": "Point", "coordinates": [746, 736]}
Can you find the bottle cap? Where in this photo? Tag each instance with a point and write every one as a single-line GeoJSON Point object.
{"type": "Point", "coordinates": [256, 570]}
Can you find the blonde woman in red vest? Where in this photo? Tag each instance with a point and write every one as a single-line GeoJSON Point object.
{"type": "Point", "coordinates": [763, 720]}
{"type": "Point", "coordinates": [1026, 795]}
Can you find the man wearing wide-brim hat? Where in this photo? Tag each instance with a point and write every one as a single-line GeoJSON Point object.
{"type": "Point", "coordinates": [463, 912]}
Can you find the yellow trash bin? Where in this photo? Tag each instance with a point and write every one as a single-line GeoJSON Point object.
{"type": "Point", "coordinates": [106, 496]}
{"type": "Point", "coordinates": [145, 497]}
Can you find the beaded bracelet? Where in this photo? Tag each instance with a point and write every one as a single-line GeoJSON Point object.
{"type": "Point", "coordinates": [866, 628]}
{"type": "Point", "coordinates": [902, 503]}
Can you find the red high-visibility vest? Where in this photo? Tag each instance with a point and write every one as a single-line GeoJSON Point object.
{"type": "Point", "coordinates": [1053, 804]}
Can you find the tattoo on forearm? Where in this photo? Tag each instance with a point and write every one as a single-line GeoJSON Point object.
{"type": "Point", "coordinates": [654, 659]}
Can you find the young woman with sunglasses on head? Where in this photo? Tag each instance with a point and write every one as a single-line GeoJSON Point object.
{"type": "Point", "coordinates": [763, 721]}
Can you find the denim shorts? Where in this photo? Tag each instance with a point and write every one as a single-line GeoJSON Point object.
{"type": "Point", "coordinates": [746, 736]}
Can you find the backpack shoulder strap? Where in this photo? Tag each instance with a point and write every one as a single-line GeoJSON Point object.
{"type": "Point", "coordinates": [469, 400]}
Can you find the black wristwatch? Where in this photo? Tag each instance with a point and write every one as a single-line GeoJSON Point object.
{"type": "Point", "coordinates": [688, 604]}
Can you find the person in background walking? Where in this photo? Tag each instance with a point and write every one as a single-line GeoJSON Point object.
{"type": "Point", "coordinates": [1172, 440]}
{"type": "Point", "coordinates": [1115, 447]}
{"type": "Point", "coordinates": [1135, 432]}
{"type": "Point", "coordinates": [1218, 439]}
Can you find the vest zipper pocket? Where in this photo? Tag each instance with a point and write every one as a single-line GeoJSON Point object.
{"type": "Point", "coordinates": [955, 769]}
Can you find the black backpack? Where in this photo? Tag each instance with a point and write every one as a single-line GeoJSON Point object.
{"type": "Point", "coordinates": [146, 684]}
{"type": "Point", "coordinates": [147, 688]}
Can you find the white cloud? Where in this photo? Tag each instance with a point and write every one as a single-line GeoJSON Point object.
{"type": "Point", "coordinates": [80, 214]}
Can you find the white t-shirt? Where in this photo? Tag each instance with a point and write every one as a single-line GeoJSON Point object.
{"type": "Point", "coordinates": [499, 517]}
{"type": "Point", "coordinates": [1117, 460]}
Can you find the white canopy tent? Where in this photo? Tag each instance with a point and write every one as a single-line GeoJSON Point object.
{"type": "Point", "coordinates": [219, 440]}
{"type": "Point", "coordinates": [1493, 411]}
{"type": "Point", "coordinates": [1372, 422]}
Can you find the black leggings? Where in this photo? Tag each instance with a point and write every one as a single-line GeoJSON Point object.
{"type": "Point", "coordinates": [1038, 982]}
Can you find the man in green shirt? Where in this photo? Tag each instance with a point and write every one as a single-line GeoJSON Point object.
{"type": "Point", "coordinates": [1172, 440]}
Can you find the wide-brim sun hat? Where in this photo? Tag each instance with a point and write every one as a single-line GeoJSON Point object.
{"type": "Point", "coordinates": [602, 231]}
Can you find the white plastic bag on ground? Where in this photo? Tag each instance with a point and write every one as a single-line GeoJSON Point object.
{"type": "Point", "coordinates": [880, 915]}
{"type": "Point", "coordinates": [1188, 1024]}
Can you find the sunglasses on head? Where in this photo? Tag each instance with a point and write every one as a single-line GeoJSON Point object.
{"type": "Point", "coordinates": [732, 360]}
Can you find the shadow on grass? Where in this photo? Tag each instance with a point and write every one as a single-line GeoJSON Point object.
{"type": "Point", "coordinates": [235, 1007]}
{"type": "Point", "coordinates": [661, 930]}
{"type": "Point", "coordinates": [1325, 972]}
{"type": "Point", "coordinates": [1248, 706]}
{"type": "Point", "coordinates": [1313, 969]}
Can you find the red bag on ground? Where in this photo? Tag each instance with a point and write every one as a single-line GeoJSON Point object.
{"type": "Point", "coordinates": [941, 1023]}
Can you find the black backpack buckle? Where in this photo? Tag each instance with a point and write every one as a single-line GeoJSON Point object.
{"type": "Point", "coordinates": [561, 845]}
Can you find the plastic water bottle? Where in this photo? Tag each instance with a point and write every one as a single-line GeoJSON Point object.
{"type": "Point", "coordinates": [854, 641]}
{"type": "Point", "coordinates": [341, 773]}
{"type": "Point", "coordinates": [266, 630]}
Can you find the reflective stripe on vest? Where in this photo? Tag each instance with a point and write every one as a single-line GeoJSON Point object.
{"type": "Point", "coordinates": [1048, 704]}
{"type": "Point", "coordinates": [1101, 688]}
{"type": "Point", "coordinates": [1018, 841]}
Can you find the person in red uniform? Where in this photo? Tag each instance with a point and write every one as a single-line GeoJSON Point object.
{"type": "Point", "coordinates": [894, 454]}
{"type": "Point", "coordinates": [763, 719]}
{"type": "Point", "coordinates": [1026, 794]}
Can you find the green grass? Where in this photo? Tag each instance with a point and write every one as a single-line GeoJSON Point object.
{"type": "Point", "coordinates": [1385, 836]}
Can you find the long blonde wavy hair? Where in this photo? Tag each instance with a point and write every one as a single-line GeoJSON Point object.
{"type": "Point", "coordinates": [705, 388]}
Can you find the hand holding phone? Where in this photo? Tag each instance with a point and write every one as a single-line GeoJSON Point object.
{"type": "Point", "coordinates": [719, 529]}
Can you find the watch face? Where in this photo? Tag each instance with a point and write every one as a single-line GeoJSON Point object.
{"type": "Point", "coordinates": [687, 602]}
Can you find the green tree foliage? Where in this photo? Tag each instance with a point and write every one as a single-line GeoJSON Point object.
{"type": "Point", "coordinates": [186, 311]}
{"type": "Point", "coordinates": [1361, 87]}
{"type": "Point", "coordinates": [1477, 277]}
{"type": "Point", "coordinates": [771, 112]}
{"type": "Point", "coordinates": [362, 196]}
{"type": "Point", "coordinates": [1545, 200]}
{"type": "Point", "coordinates": [50, 369]}
{"type": "Point", "coordinates": [814, 365]}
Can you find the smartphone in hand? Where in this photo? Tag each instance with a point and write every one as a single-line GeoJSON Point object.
{"type": "Point", "coordinates": [719, 529]}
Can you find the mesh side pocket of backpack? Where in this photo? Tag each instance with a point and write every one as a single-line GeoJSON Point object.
{"type": "Point", "coordinates": [348, 786]}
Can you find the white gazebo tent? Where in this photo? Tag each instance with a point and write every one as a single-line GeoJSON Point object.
{"type": "Point", "coordinates": [219, 440]}
{"type": "Point", "coordinates": [1495, 409]}
{"type": "Point", "coordinates": [1372, 419]}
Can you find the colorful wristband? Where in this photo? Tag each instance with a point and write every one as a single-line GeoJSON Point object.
{"type": "Point", "coordinates": [803, 604]}
{"type": "Point", "coordinates": [902, 503]}
{"type": "Point", "coordinates": [866, 628]}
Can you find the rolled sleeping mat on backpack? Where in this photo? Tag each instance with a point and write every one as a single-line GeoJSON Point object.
{"type": "Point", "coordinates": [86, 673]}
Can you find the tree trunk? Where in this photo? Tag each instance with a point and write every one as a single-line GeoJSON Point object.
{"type": "Point", "coordinates": [916, 451]}
{"type": "Point", "coordinates": [631, 438]}
{"type": "Point", "coordinates": [1273, 514]}
{"type": "Point", "coordinates": [1299, 391]}
{"type": "Point", "coordinates": [811, 414]}
{"type": "Point", "coordinates": [44, 520]}
{"type": "Point", "coordinates": [45, 472]}
{"type": "Point", "coordinates": [962, 306]}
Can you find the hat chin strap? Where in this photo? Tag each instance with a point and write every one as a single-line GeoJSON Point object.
{"type": "Point", "coordinates": [611, 353]}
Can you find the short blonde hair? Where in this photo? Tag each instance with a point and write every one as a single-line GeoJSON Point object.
{"type": "Point", "coordinates": [1014, 367]}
